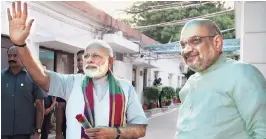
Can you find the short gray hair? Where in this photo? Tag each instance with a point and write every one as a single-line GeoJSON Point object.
{"type": "Point", "coordinates": [207, 23]}
{"type": "Point", "coordinates": [103, 44]}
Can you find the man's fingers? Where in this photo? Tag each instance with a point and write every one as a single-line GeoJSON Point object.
{"type": "Point", "coordinates": [9, 15]}
{"type": "Point", "coordinates": [13, 9]}
{"type": "Point", "coordinates": [25, 11]}
{"type": "Point", "coordinates": [92, 130]}
{"type": "Point", "coordinates": [28, 27]}
{"type": "Point", "coordinates": [18, 9]}
{"type": "Point", "coordinates": [91, 135]}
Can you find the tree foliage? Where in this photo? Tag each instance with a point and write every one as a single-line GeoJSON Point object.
{"type": "Point", "coordinates": [155, 12]}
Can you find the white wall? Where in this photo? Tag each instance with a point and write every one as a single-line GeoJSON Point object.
{"type": "Point", "coordinates": [139, 82]}
{"type": "Point", "coordinates": [166, 67]}
{"type": "Point", "coordinates": [253, 33]}
{"type": "Point", "coordinates": [123, 70]}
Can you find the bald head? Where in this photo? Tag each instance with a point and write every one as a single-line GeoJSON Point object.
{"type": "Point", "coordinates": [209, 25]}
{"type": "Point", "coordinates": [13, 48]}
{"type": "Point", "coordinates": [201, 43]}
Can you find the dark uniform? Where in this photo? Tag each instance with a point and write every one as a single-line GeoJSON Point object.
{"type": "Point", "coordinates": [18, 95]}
{"type": "Point", "coordinates": [48, 100]}
{"type": "Point", "coordinates": [58, 99]}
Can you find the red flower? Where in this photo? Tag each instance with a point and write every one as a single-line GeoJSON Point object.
{"type": "Point", "coordinates": [80, 118]}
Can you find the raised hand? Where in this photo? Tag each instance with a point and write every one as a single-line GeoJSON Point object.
{"type": "Point", "coordinates": [18, 31]}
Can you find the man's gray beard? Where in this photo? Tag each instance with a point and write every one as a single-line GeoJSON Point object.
{"type": "Point", "coordinates": [197, 67]}
{"type": "Point", "coordinates": [200, 65]}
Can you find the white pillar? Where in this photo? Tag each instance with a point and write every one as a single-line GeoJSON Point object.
{"type": "Point", "coordinates": [34, 48]}
{"type": "Point", "coordinates": [180, 80]}
{"type": "Point", "coordinates": [149, 77]}
{"type": "Point", "coordinates": [253, 33]}
{"type": "Point", "coordinates": [75, 63]}
{"type": "Point", "coordinates": [238, 10]}
{"type": "Point", "coordinates": [139, 82]}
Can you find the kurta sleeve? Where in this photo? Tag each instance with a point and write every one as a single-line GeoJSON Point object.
{"type": "Point", "coordinates": [135, 113]}
{"type": "Point", "coordinates": [60, 84]}
{"type": "Point", "coordinates": [250, 98]}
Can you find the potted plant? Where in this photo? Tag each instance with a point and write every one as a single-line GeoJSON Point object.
{"type": "Point", "coordinates": [168, 103]}
{"type": "Point", "coordinates": [151, 93]}
{"type": "Point", "coordinates": [145, 107]}
{"type": "Point", "coordinates": [163, 103]}
{"type": "Point", "coordinates": [168, 94]}
{"type": "Point", "coordinates": [154, 105]}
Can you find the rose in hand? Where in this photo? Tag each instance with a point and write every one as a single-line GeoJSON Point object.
{"type": "Point", "coordinates": [83, 121]}
{"type": "Point", "coordinates": [80, 118]}
{"type": "Point", "coordinates": [18, 30]}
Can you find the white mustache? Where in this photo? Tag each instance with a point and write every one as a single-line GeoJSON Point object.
{"type": "Point", "coordinates": [92, 65]}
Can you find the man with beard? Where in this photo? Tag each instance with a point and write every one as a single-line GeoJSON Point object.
{"type": "Point", "coordinates": [20, 119]}
{"type": "Point", "coordinates": [60, 110]}
{"type": "Point", "coordinates": [110, 104]}
{"type": "Point", "coordinates": [224, 99]}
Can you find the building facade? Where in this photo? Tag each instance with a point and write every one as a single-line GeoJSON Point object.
{"type": "Point", "coordinates": [61, 29]}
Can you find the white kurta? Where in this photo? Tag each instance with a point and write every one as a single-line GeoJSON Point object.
{"type": "Point", "coordinates": [69, 88]}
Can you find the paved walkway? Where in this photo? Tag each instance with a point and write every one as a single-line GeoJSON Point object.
{"type": "Point", "coordinates": [161, 125]}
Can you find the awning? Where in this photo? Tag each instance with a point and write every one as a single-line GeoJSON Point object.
{"type": "Point", "coordinates": [171, 48]}
{"type": "Point", "coordinates": [141, 62]}
{"type": "Point", "coordinates": [121, 44]}
{"type": "Point", "coordinates": [57, 43]}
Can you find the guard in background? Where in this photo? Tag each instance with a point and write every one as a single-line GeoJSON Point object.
{"type": "Point", "coordinates": [19, 118]}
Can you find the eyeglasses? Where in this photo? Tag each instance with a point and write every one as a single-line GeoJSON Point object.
{"type": "Point", "coordinates": [93, 56]}
{"type": "Point", "coordinates": [193, 41]}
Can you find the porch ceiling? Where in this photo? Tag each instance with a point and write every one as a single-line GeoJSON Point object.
{"type": "Point", "coordinates": [143, 64]}
{"type": "Point", "coordinates": [121, 44]}
{"type": "Point", "coordinates": [57, 45]}
{"type": "Point", "coordinates": [174, 48]}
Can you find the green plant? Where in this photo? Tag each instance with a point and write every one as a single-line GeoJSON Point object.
{"type": "Point", "coordinates": [168, 93]}
{"type": "Point", "coordinates": [151, 94]}
{"type": "Point", "coordinates": [142, 14]}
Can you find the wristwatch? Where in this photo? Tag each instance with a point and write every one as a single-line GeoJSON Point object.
{"type": "Point", "coordinates": [38, 130]}
{"type": "Point", "coordinates": [118, 132]}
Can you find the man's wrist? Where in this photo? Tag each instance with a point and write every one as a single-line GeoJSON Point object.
{"type": "Point", "coordinates": [21, 44]}
{"type": "Point", "coordinates": [38, 131]}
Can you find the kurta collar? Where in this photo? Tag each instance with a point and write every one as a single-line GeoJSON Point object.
{"type": "Point", "coordinates": [216, 65]}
